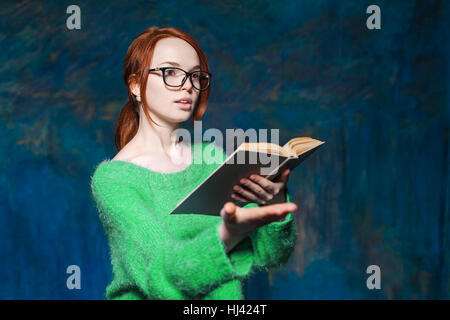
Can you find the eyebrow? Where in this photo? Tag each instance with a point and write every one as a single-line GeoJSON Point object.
{"type": "Point", "coordinates": [177, 64]}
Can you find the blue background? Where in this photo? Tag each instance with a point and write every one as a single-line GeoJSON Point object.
{"type": "Point", "coordinates": [376, 193]}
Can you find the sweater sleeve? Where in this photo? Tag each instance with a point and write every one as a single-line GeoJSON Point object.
{"type": "Point", "coordinates": [161, 266]}
{"type": "Point", "coordinates": [273, 243]}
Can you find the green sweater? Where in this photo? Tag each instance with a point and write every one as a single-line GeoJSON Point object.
{"type": "Point", "coordinates": [155, 255]}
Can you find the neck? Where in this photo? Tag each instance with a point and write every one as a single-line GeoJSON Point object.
{"type": "Point", "coordinates": [155, 138]}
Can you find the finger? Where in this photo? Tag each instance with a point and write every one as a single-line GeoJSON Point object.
{"type": "Point", "coordinates": [266, 214]}
{"type": "Point", "coordinates": [247, 194]}
{"type": "Point", "coordinates": [279, 208]}
{"type": "Point", "coordinates": [266, 184]}
{"type": "Point", "coordinates": [239, 198]}
{"type": "Point", "coordinates": [256, 189]}
{"type": "Point", "coordinates": [228, 212]}
{"type": "Point", "coordinates": [279, 214]}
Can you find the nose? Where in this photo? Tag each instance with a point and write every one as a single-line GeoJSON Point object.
{"type": "Point", "coordinates": [187, 84]}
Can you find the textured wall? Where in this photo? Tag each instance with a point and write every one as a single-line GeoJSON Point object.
{"type": "Point", "coordinates": [376, 193]}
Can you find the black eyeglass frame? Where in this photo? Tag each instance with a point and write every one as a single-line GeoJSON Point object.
{"type": "Point", "coordinates": [187, 74]}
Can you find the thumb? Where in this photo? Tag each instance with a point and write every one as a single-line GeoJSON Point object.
{"type": "Point", "coordinates": [285, 175]}
{"type": "Point", "coordinates": [228, 212]}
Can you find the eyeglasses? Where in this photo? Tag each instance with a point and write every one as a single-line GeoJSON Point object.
{"type": "Point", "coordinates": [176, 77]}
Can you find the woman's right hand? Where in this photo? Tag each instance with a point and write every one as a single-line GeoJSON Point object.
{"type": "Point", "coordinates": [238, 223]}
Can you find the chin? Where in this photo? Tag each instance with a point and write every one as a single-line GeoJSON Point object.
{"type": "Point", "coordinates": [182, 117]}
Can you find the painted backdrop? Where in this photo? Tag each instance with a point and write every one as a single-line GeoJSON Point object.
{"type": "Point", "coordinates": [376, 194]}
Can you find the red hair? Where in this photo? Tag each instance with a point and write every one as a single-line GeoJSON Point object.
{"type": "Point", "coordinates": [136, 65]}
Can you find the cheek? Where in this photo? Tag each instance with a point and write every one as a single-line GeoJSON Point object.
{"type": "Point", "coordinates": [157, 92]}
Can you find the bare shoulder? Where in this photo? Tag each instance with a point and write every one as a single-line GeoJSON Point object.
{"type": "Point", "coordinates": [121, 156]}
{"type": "Point", "coordinates": [130, 154]}
{"type": "Point", "coordinates": [151, 160]}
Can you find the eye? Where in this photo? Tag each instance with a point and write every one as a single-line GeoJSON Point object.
{"type": "Point", "coordinates": [170, 72]}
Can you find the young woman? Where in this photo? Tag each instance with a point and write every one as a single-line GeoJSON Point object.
{"type": "Point", "coordinates": [185, 256]}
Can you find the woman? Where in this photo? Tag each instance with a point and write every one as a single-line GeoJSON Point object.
{"type": "Point", "coordinates": [187, 256]}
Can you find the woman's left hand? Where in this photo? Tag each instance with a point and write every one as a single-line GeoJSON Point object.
{"type": "Point", "coordinates": [258, 189]}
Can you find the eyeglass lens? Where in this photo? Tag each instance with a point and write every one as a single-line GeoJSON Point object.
{"type": "Point", "coordinates": [174, 77]}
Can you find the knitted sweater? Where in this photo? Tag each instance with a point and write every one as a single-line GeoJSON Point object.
{"type": "Point", "coordinates": [155, 255]}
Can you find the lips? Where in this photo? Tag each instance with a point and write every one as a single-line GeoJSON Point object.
{"type": "Point", "coordinates": [184, 100]}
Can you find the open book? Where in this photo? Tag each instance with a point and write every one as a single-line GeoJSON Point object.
{"type": "Point", "coordinates": [265, 159]}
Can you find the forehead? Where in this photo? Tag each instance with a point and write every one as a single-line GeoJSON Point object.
{"type": "Point", "coordinates": [177, 50]}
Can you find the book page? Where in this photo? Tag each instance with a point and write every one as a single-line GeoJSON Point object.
{"type": "Point", "coordinates": [299, 145]}
{"type": "Point", "coordinates": [266, 147]}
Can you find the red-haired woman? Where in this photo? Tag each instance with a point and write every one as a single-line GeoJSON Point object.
{"type": "Point", "coordinates": [160, 256]}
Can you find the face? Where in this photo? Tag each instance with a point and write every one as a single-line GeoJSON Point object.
{"type": "Point", "coordinates": [160, 97]}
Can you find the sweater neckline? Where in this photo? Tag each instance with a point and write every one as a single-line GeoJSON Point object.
{"type": "Point", "coordinates": [187, 173]}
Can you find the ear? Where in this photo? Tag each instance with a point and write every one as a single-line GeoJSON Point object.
{"type": "Point", "coordinates": [134, 86]}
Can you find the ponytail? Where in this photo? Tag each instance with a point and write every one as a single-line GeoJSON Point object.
{"type": "Point", "coordinates": [127, 124]}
